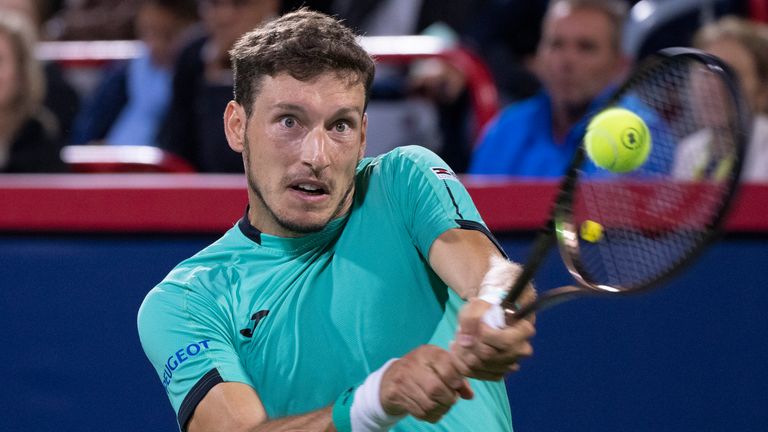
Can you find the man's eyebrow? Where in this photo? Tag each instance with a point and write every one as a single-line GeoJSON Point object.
{"type": "Point", "coordinates": [347, 110]}
{"type": "Point", "coordinates": [289, 107]}
{"type": "Point", "coordinates": [299, 108]}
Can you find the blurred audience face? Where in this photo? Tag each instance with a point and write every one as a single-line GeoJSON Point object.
{"type": "Point", "coordinates": [733, 53]}
{"type": "Point", "coordinates": [743, 45]}
{"type": "Point", "coordinates": [8, 73]}
{"type": "Point", "coordinates": [577, 56]}
{"type": "Point", "coordinates": [26, 8]}
{"type": "Point", "coordinates": [227, 20]}
{"type": "Point", "coordinates": [22, 84]}
{"type": "Point", "coordinates": [160, 29]}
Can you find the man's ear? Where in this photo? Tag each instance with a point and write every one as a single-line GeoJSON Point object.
{"type": "Point", "coordinates": [363, 134]}
{"type": "Point", "coordinates": [234, 126]}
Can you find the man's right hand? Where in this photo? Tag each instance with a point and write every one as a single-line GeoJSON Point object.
{"type": "Point", "coordinates": [425, 383]}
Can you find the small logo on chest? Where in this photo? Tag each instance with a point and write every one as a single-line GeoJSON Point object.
{"type": "Point", "coordinates": [256, 317]}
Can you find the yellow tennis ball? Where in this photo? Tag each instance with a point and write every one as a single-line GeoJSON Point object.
{"type": "Point", "coordinates": [618, 140]}
{"type": "Point", "coordinates": [591, 231]}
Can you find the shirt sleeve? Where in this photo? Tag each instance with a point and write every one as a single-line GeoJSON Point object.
{"type": "Point", "coordinates": [189, 340]}
{"type": "Point", "coordinates": [429, 196]}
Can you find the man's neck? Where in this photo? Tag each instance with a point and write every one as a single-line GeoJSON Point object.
{"type": "Point", "coordinates": [564, 117]}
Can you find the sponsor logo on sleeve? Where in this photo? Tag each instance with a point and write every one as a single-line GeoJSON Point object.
{"type": "Point", "coordinates": [444, 173]}
{"type": "Point", "coordinates": [180, 356]}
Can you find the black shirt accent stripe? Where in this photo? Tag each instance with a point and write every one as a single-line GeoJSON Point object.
{"type": "Point", "coordinates": [453, 200]}
{"type": "Point", "coordinates": [198, 392]}
{"type": "Point", "coordinates": [477, 226]}
{"type": "Point", "coordinates": [247, 229]}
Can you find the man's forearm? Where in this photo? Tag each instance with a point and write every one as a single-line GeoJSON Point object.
{"type": "Point", "coordinates": [315, 421]}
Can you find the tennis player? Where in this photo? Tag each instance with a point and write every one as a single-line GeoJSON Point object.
{"type": "Point", "coordinates": [348, 297]}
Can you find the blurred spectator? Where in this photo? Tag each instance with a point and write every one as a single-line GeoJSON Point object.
{"type": "Point", "coordinates": [743, 45]}
{"type": "Point", "coordinates": [678, 29]}
{"type": "Point", "coordinates": [578, 61]}
{"type": "Point", "coordinates": [505, 34]}
{"type": "Point", "coordinates": [202, 85]}
{"type": "Point", "coordinates": [60, 97]}
{"type": "Point", "coordinates": [93, 20]}
{"type": "Point", "coordinates": [425, 104]}
{"type": "Point", "coordinates": [28, 141]}
{"type": "Point", "coordinates": [402, 17]}
{"type": "Point", "coordinates": [132, 100]}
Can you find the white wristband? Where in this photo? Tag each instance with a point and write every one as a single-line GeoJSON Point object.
{"type": "Point", "coordinates": [497, 281]}
{"type": "Point", "coordinates": [494, 287]}
{"type": "Point", "coordinates": [366, 413]}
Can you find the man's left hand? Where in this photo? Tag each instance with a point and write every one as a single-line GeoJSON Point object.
{"type": "Point", "coordinates": [488, 353]}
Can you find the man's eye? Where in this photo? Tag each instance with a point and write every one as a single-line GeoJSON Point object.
{"type": "Point", "coordinates": [288, 122]}
{"type": "Point", "coordinates": [341, 127]}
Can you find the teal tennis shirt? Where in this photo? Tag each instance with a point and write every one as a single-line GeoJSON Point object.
{"type": "Point", "coordinates": [302, 319]}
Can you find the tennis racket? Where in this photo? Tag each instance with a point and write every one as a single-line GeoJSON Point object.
{"type": "Point", "coordinates": [625, 233]}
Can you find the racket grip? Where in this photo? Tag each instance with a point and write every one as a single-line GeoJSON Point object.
{"type": "Point", "coordinates": [500, 316]}
{"type": "Point", "coordinates": [516, 313]}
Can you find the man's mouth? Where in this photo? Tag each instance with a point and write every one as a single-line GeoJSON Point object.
{"type": "Point", "coordinates": [310, 188]}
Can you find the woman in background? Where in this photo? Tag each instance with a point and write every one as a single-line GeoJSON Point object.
{"type": "Point", "coordinates": [743, 45]}
{"type": "Point", "coordinates": [29, 137]}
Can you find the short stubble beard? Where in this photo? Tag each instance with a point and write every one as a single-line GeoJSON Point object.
{"type": "Point", "coordinates": [292, 227]}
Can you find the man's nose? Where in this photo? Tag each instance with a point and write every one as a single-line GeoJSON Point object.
{"type": "Point", "coordinates": [314, 150]}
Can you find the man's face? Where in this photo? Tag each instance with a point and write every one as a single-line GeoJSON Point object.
{"type": "Point", "coordinates": [577, 57]}
{"type": "Point", "coordinates": [227, 20]}
{"type": "Point", "coordinates": [301, 147]}
{"type": "Point", "coordinates": [160, 29]}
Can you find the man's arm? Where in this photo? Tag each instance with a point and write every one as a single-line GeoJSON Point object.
{"type": "Point", "coordinates": [425, 383]}
{"type": "Point", "coordinates": [462, 259]}
{"type": "Point", "coordinates": [233, 406]}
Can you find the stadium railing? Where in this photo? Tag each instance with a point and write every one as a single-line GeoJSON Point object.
{"type": "Point", "coordinates": [124, 158]}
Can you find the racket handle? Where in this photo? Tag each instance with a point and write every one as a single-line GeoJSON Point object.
{"type": "Point", "coordinates": [544, 242]}
{"type": "Point", "coordinates": [500, 316]}
{"type": "Point", "coordinates": [514, 312]}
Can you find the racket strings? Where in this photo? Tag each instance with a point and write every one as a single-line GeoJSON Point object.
{"type": "Point", "coordinates": [652, 219]}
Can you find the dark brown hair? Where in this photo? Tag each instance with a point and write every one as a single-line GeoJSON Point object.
{"type": "Point", "coordinates": [304, 44]}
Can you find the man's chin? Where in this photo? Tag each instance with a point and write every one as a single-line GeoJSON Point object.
{"type": "Point", "coordinates": [304, 226]}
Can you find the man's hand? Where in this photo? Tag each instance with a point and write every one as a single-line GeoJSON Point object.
{"type": "Point", "coordinates": [425, 383]}
{"type": "Point", "coordinates": [487, 353]}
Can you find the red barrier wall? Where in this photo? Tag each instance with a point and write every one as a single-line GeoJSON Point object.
{"type": "Point", "coordinates": [190, 203]}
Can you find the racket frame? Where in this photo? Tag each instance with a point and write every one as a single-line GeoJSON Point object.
{"type": "Point", "coordinates": [560, 228]}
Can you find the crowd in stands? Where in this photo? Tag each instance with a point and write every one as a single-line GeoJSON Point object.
{"type": "Point", "coordinates": [578, 61]}
{"type": "Point", "coordinates": [550, 60]}
{"type": "Point", "coordinates": [129, 105]}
